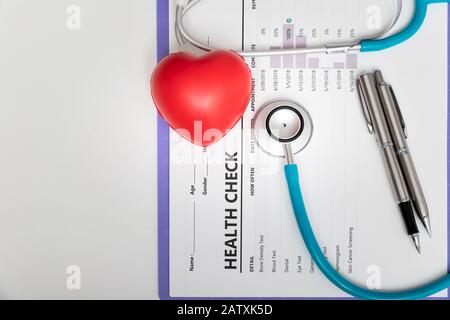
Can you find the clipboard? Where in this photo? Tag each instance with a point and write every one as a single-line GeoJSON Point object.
{"type": "Point", "coordinates": [163, 173]}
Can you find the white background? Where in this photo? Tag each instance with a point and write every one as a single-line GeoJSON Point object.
{"type": "Point", "coordinates": [77, 149]}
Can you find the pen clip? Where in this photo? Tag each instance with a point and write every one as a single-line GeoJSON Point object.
{"type": "Point", "coordinates": [399, 111]}
{"type": "Point", "coordinates": [364, 107]}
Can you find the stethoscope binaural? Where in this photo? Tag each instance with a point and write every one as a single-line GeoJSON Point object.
{"type": "Point", "coordinates": [283, 128]}
{"type": "Point", "coordinates": [367, 45]}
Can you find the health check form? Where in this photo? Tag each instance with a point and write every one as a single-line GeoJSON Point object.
{"type": "Point", "coordinates": [228, 229]}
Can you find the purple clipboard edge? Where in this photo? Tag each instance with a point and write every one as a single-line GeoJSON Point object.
{"type": "Point", "coordinates": [162, 30]}
{"type": "Point", "coordinates": [163, 171]}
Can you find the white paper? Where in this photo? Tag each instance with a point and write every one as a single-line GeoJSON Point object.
{"type": "Point", "coordinates": [350, 203]}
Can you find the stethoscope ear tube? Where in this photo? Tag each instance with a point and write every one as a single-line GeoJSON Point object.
{"type": "Point", "coordinates": [415, 24]}
{"type": "Point", "coordinates": [293, 181]}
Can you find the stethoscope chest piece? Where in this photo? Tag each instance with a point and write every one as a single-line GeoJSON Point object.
{"type": "Point", "coordinates": [280, 123]}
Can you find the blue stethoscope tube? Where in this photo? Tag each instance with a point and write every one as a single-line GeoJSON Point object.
{"type": "Point", "coordinates": [293, 181]}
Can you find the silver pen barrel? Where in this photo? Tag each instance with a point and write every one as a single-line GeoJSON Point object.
{"type": "Point", "coordinates": [377, 123]}
{"type": "Point", "coordinates": [397, 128]}
{"type": "Point", "coordinates": [372, 102]}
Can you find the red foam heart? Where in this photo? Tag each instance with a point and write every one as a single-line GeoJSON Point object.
{"type": "Point", "coordinates": [202, 98]}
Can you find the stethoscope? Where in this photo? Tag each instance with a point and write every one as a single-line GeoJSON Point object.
{"type": "Point", "coordinates": [284, 128]}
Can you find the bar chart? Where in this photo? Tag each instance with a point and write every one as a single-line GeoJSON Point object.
{"type": "Point", "coordinates": [302, 61]}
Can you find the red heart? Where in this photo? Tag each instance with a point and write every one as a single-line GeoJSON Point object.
{"type": "Point", "coordinates": [202, 98]}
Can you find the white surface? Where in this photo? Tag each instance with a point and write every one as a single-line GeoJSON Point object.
{"type": "Point", "coordinates": [77, 149]}
{"type": "Point", "coordinates": [344, 182]}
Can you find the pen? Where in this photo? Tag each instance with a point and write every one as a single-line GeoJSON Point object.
{"type": "Point", "coordinates": [397, 128]}
{"type": "Point", "coordinates": [377, 124]}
